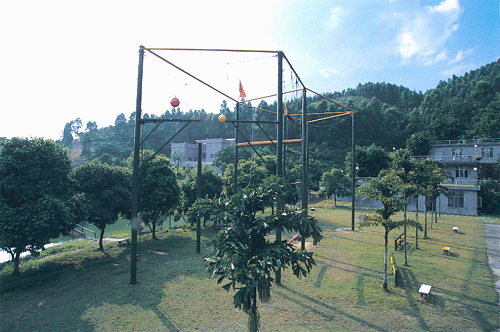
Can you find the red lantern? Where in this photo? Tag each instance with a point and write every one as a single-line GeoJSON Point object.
{"type": "Point", "coordinates": [175, 102]}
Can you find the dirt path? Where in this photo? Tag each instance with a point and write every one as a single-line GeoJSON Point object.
{"type": "Point", "coordinates": [492, 232]}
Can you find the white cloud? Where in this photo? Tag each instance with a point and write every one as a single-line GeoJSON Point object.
{"type": "Point", "coordinates": [446, 6]}
{"type": "Point", "coordinates": [327, 73]}
{"type": "Point", "coordinates": [460, 56]}
{"type": "Point", "coordinates": [458, 70]}
{"type": "Point", "coordinates": [335, 18]}
{"type": "Point", "coordinates": [424, 33]}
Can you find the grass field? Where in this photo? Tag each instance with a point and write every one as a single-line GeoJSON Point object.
{"type": "Point", "coordinates": [74, 287]}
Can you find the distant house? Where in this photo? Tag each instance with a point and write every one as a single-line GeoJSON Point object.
{"type": "Point", "coordinates": [464, 161]}
{"type": "Point", "coordinates": [209, 148]}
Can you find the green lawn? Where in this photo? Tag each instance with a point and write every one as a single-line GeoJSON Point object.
{"type": "Point", "coordinates": [74, 287]}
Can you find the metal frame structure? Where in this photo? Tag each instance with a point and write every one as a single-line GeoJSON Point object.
{"type": "Point", "coordinates": [280, 126]}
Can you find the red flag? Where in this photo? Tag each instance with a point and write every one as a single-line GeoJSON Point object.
{"type": "Point", "coordinates": [242, 92]}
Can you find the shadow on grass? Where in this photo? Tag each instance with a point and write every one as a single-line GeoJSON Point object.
{"type": "Point", "coordinates": [360, 289]}
{"type": "Point", "coordinates": [354, 268]}
{"type": "Point", "coordinates": [309, 302]}
{"type": "Point", "coordinates": [85, 285]}
{"type": "Point", "coordinates": [409, 282]}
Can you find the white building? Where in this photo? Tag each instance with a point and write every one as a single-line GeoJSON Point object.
{"type": "Point", "coordinates": [463, 161]}
{"type": "Point", "coordinates": [209, 147]}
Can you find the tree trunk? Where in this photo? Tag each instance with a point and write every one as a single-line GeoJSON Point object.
{"type": "Point", "coordinates": [432, 216]}
{"type": "Point", "coordinates": [416, 228]}
{"type": "Point", "coordinates": [16, 259]}
{"type": "Point", "coordinates": [253, 315]}
{"type": "Point", "coordinates": [435, 212]}
{"type": "Point", "coordinates": [335, 198]}
{"type": "Point", "coordinates": [425, 223]}
{"type": "Point", "coordinates": [153, 228]}
{"type": "Point", "coordinates": [404, 231]}
{"type": "Point", "coordinates": [100, 238]}
{"type": "Point", "coordinates": [386, 238]}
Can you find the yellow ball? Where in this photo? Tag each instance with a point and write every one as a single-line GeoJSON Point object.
{"type": "Point", "coordinates": [222, 118]}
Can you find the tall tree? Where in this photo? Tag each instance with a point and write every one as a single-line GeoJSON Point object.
{"type": "Point", "coordinates": [243, 254]}
{"type": "Point", "coordinates": [336, 183]}
{"type": "Point", "coordinates": [385, 189]}
{"type": "Point", "coordinates": [403, 167]}
{"type": "Point", "coordinates": [159, 192]}
{"type": "Point", "coordinates": [370, 160]}
{"type": "Point", "coordinates": [211, 187]}
{"type": "Point", "coordinates": [36, 204]}
{"type": "Point", "coordinates": [107, 193]}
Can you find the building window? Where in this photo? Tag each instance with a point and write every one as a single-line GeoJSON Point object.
{"type": "Point", "coordinates": [211, 156]}
{"type": "Point", "coordinates": [456, 153]}
{"type": "Point", "coordinates": [487, 152]}
{"type": "Point", "coordinates": [461, 172]}
{"type": "Point", "coordinates": [412, 200]}
{"type": "Point", "coordinates": [456, 199]}
{"type": "Point", "coordinates": [204, 156]}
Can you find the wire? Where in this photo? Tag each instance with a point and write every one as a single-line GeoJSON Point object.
{"type": "Point", "coordinates": [267, 57]}
{"type": "Point", "coordinates": [330, 125]}
{"type": "Point", "coordinates": [333, 101]}
{"type": "Point", "coordinates": [328, 117]}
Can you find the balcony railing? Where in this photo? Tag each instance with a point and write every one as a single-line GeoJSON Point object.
{"type": "Point", "coordinates": [456, 158]}
{"type": "Point", "coordinates": [466, 141]}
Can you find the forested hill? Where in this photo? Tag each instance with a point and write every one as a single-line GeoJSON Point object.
{"type": "Point", "coordinates": [386, 115]}
{"type": "Point", "coordinates": [463, 107]}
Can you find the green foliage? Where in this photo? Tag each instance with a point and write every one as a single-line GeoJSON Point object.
{"type": "Point", "coordinates": [387, 189]}
{"type": "Point", "coordinates": [336, 183]}
{"type": "Point", "coordinates": [36, 203]}
{"type": "Point", "coordinates": [418, 144]}
{"type": "Point", "coordinates": [211, 184]}
{"type": "Point", "coordinates": [242, 253]}
{"type": "Point", "coordinates": [464, 107]}
{"type": "Point", "coordinates": [384, 189]}
{"type": "Point", "coordinates": [159, 192]}
{"type": "Point", "coordinates": [370, 160]}
{"type": "Point", "coordinates": [106, 192]}
{"type": "Point", "coordinates": [175, 285]}
{"type": "Point", "coordinates": [251, 174]}
{"type": "Point", "coordinates": [490, 193]}
{"type": "Point", "coordinates": [386, 115]}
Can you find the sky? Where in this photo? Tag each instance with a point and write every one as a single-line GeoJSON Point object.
{"type": "Point", "coordinates": [62, 60]}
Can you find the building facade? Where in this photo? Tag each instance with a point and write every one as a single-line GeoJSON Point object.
{"type": "Point", "coordinates": [464, 162]}
{"type": "Point", "coordinates": [209, 148]}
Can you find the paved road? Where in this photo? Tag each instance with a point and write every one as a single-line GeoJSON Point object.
{"type": "Point", "coordinates": [493, 249]}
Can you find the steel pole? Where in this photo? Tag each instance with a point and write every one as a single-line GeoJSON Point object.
{"type": "Point", "coordinates": [305, 189]}
{"type": "Point", "coordinates": [236, 141]}
{"type": "Point", "coordinates": [353, 171]}
{"type": "Point", "coordinates": [198, 195]}
{"type": "Point", "coordinates": [279, 152]}
{"type": "Point", "coordinates": [135, 221]}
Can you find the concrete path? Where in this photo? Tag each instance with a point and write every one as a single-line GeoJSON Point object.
{"type": "Point", "coordinates": [492, 232]}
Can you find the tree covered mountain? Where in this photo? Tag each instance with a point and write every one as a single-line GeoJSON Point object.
{"type": "Point", "coordinates": [386, 115]}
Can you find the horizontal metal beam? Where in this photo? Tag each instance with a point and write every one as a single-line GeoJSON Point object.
{"type": "Point", "coordinates": [250, 121]}
{"type": "Point", "coordinates": [286, 141]}
{"type": "Point", "coordinates": [165, 120]}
